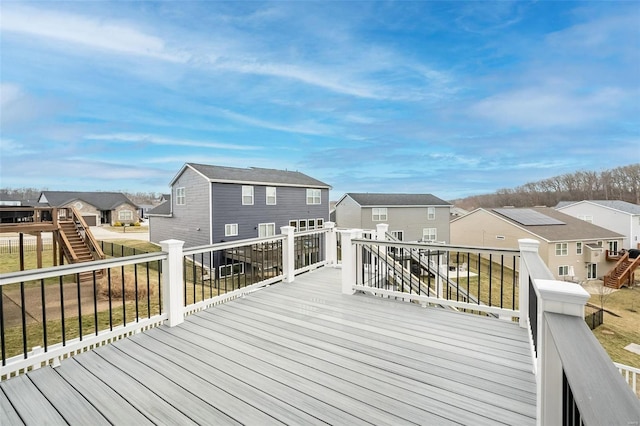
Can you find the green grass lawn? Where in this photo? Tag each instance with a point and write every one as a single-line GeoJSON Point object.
{"type": "Point", "coordinates": [623, 328]}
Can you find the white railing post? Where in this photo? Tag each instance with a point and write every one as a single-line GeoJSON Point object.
{"type": "Point", "coordinates": [381, 231]}
{"type": "Point", "coordinates": [563, 298]}
{"type": "Point", "coordinates": [172, 282]}
{"type": "Point", "coordinates": [331, 242]}
{"type": "Point", "coordinates": [349, 260]}
{"type": "Point", "coordinates": [288, 253]}
{"type": "Point", "coordinates": [529, 245]}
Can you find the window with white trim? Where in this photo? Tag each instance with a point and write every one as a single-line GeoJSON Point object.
{"type": "Point", "coordinates": [429, 234]}
{"type": "Point", "coordinates": [563, 270]}
{"type": "Point", "coordinates": [399, 235]}
{"type": "Point", "coordinates": [378, 214]}
{"type": "Point", "coordinates": [562, 249]}
{"type": "Point", "coordinates": [302, 225]}
{"type": "Point", "coordinates": [313, 196]}
{"type": "Point", "coordinates": [266, 229]}
{"type": "Point", "coordinates": [125, 215]}
{"type": "Point", "coordinates": [311, 224]}
{"type": "Point", "coordinates": [613, 246]}
{"type": "Point", "coordinates": [233, 269]}
{"type": "Point", "coordinates": [247, 195]}
{"type": "Point", "coordinates": [431, 213]}
{"type": "Point", "coordinates": [320, 223]}
{"type": "Point", "coordinates": [230, 229]}
{"type": "Point", "coordinates": [181, 197]}
{"type": "Point", "coordinates": [271, 195]}
{"type": "Point", "coordinates": [294, 223]}
{"type": "Point", "coordinates": [578, 248]}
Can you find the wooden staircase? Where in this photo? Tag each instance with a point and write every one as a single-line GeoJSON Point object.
{"type": "Point", "coordinates": [622, 273]}
{"type": "Point", "coordinates": [78, 244]}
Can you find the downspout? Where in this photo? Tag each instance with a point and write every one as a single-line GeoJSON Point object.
{"type": "Point", "coordinates": [210, 213]}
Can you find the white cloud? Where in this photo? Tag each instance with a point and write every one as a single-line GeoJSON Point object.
{"type": "Point", "coordinates": [548, 107]}
{"type": "Point", "coordinates": [161, 140]}
{"type": "Point", "coordinates": [93, 33]}
{"type": "Point", "coordinates": [306, 128]}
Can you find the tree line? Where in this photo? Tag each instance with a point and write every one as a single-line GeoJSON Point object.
{"type": "Point", "coordinates": [621, 183]}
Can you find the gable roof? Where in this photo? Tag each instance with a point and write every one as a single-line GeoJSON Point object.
{"type": "Point", "coordinates": [100, 200]}
{"type": "Point", "coordinates": [252, 175]}
{"type": "Point", "coordinates": [621, 206]}
{"type": "Point", "coordinates": [570, 229]}
{"type": "Point", "coordinates": [162, 209]}
{"type": "Point", "coordinates": [406, 200]}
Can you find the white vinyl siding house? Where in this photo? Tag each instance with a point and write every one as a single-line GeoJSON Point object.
{"type": "Point", "coordinates": [618, 216]}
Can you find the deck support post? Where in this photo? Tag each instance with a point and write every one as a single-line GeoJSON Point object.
{"type": "Point", "coordinates": [349, 276]}
{"type": "Point", "coordinates": [172, 282]}
{"type": "Point", "coordinates": [288, 253]}
{"type": "Point", "coordinates": [563, 298]}
{"type": "Point", "coordinates": [331, 244]}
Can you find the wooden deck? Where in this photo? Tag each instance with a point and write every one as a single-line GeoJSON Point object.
{"type": "Point", "coordinates": [299, 353]}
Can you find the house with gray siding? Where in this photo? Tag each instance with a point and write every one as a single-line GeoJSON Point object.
{"type": "Point", "coordinates": [411, 217]}
{"type": "Point", "coordinates": [211, 204]}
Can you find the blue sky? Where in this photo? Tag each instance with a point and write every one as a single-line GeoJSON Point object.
{"type": "Point", "coordinates": [446, 97]}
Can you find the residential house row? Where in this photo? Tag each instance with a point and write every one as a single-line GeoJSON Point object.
{"type": "Point", "coordinates": [96, 208]}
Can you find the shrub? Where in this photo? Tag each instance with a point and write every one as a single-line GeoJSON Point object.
{"type": "Point", "coordinates": [136, 224]}
{"type": "Point", "coordinates": [117, 224]}
{"type": "Point", "coordinates": [129, 286]}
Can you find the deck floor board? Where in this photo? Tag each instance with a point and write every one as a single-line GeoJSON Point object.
{"type": "Point", "coordinates": [296, 353]}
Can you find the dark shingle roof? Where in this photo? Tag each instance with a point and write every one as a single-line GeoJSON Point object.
{"type": "Point", "coordinates": [161, 209]}
{"type": "Point", "coordinates": [366, 199]}
{"type": "Point", "coordinates": [100, 200]}
{"type": "Point", "coordinates": [571, 229]}
{"type": "Point", "coordinates": [255, 175]}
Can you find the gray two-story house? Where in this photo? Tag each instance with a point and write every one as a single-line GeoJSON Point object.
{"type": "Point", "coordinates": [411, 217]}
{"type": "Point", "coordinates": [211, 204]}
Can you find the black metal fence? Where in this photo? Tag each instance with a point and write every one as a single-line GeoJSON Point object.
{"type": "Point", "coordinates": [594, 317]}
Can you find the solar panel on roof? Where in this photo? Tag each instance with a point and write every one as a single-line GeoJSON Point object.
{"type": "Point", "coordinates": [529, 217]}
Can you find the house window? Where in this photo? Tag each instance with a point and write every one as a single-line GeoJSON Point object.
{"type": "Point", "coordinates": [125, 215]}
{"type": "Point", "coordinates": [431, 213]}
{"type": "Point", "coordinates": [429, 234]}
{"type": "Point", "coordinates": [313, 196]}
{"type": "Point", "coordinates": [271, 195]}
{"type": "Point", "coordinates": [586, 218]}
{"type": "Point", "coordinates": [562, 249]}
{"type": "Point", "coordinates": [231, 229]}
{"type": "Point", "coordinates": [398, 235]}
{"type": "Point", "coordinates": [592, 271]}
{"type": "Point", "coordinates": [312, 224]}
{"type": "Point", "coordinates": [294, 223]}
{"type": "Point", "coordinates": [319, 223]}
{"type": "Point", "coordinates": [379, 213]}
{"type": "Point", "coordinates": [563, 270]}
{"type": "Point", "coordinates": [181, 198]}
{"type": "Point", "coordinates": [500, 237]}
{"type": "Point", "coordinates": [266, 229]}
{"type": "Point", "coordinates": [613, 246]}
{"type": "Point", "coordinates": [233, 269]}
{"type": "Point", "coordinates": [247, 195]}
{"type": "Point", "coordinates": [578, 248]}
{"type": "Point", "coordinates": [303, 225]}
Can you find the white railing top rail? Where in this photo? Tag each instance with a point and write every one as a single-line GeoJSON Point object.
{"type": "Point", "coordinates": [76, 268]}
{"type": "Point", "coordinates": [436, 247]}
{"type": "Point", "coordinates": [231, 244]}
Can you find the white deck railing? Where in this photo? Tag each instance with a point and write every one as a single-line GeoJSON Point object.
{"type": "Point", "coordinates": [300, 253]}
